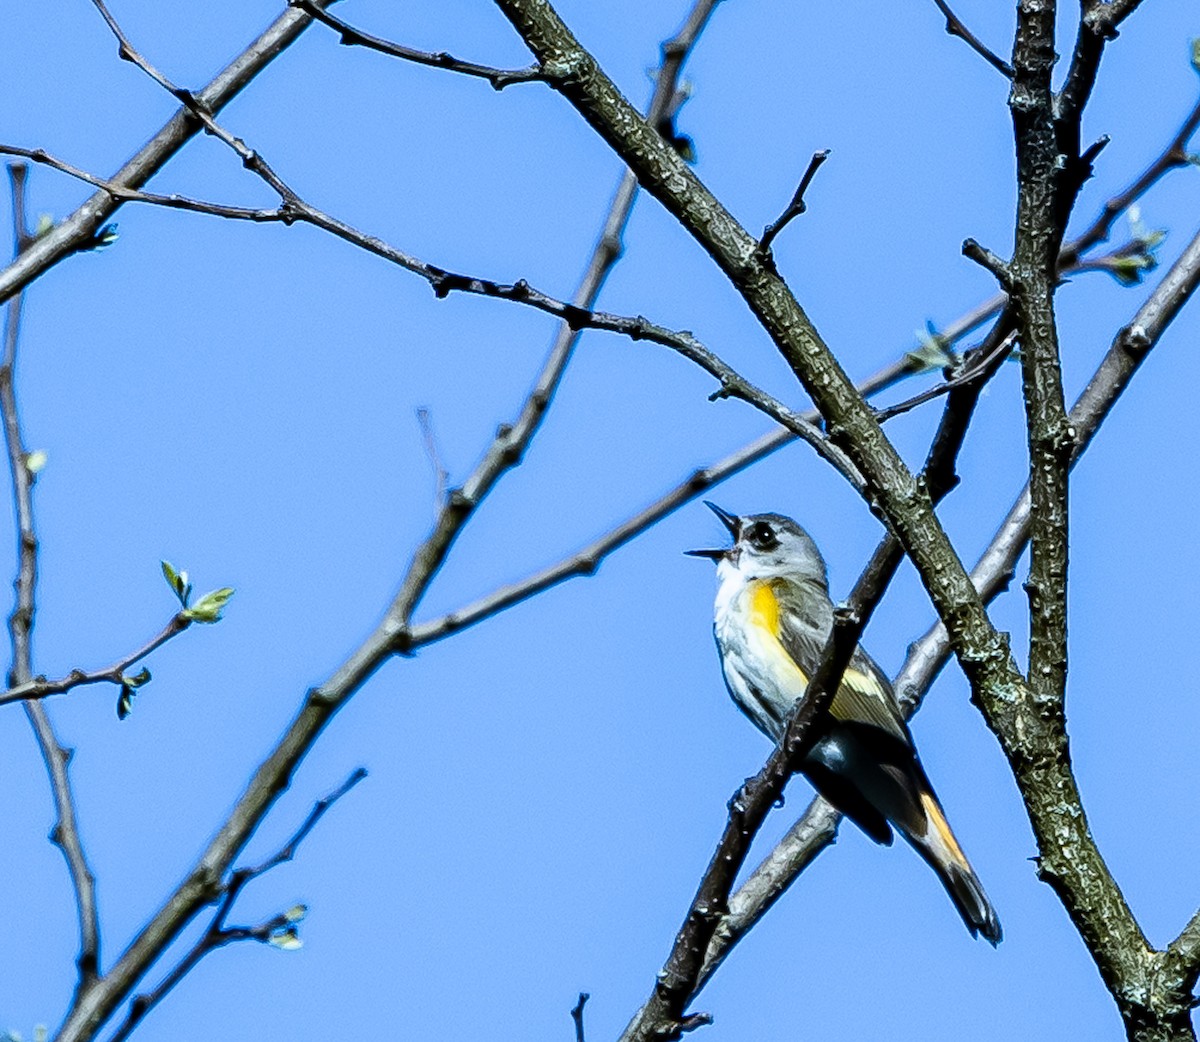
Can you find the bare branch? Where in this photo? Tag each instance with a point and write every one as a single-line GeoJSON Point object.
{"type": "Point", "coordinates": [1172, 157]}
{"type": "Point", "coordinates": [967, 376]}
{"type": "Point", "coordinates": [796, 207]}
{"type": "Point", "coordinates": [577, 1016]}
{"type": "Point", "coordinates": [65, 833]}
{"type": "Point", "coordinates": [587, 560]}
{"type": "Point", "coordinates": [275, 929]}
{"type": "Point", "coordinates": [131, 195]}
{"type": "Point", "coordinates": [354, 37]}
{"type": "Point", "coordinates": [78, 231]}
{"type": "Point", "coordinates": [664, 1013]}
{"type": "Point", "coordinates": [955, 27]}
{"type": "Point", "coordinates": [987, 260]}
{"type": "Point", "coordinates": [39, 687]}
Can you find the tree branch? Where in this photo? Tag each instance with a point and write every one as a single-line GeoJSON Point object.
{"type": "Point", "coordinates": [79, 230]}
{"type": "Point", "coordinates": [587, 560]}
{"type": "Point", "coordinates": [796, 207]}
{"type": "Point", "coordinates": [277, 929]}
{"type": "Point", "coordinates": [95, 1004]}
{"type": "Point", "coordinates": [983, 651]}
{"type": "Point", "coordinates": [354, 37]}
{"type": "Point", "coordinates": [955, 27]}
{"type": "Point", "coordinates": [39, 687]}
{"type": "Point", "coordinates": [65, 832]}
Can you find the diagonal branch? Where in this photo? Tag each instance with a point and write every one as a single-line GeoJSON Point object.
{"type": "Point", "coordinates": [353, 37]}
{"type": "Point", "coordinates": [512, 440]}
{"type": "Point", "coordinates": [796, 207]}
{"type": "Point", "coordinates": [983, 651]}
{"type": "Point", "coordinates": [277, 929]}
{"type": "Point", "coordinates": [39, 687]}
{"type": "Point", "coordinates": [955, 27]}
{"type": "Point", "coordinates": [78, 231]}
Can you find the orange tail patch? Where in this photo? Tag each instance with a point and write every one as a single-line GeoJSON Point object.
{"type": "Point", "coordinates": [942, 827]}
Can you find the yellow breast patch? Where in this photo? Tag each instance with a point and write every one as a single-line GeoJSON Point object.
{"type": "Point", "coordinates": [764, 607]}
{"type": "Point", "coordinates": [764, 621]}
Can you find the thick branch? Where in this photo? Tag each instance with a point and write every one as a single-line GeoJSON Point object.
{"type": "Point", "coordinates": [983, 651]}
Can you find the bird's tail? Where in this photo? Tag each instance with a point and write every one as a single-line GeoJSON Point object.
{"type": "Point", "coordinates": [940, 849]}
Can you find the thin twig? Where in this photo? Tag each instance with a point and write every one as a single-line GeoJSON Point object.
{"type": "Point", "coordinates": [587, 560]}
{"type": "Point", "coordinates": [443, 282]}
{"type": "Point", "coordinates": [1170, 158]}
{"type": "Point", "coordinates": [965, 377]}
{"type": "Point", "coordinates": [796, 207]}
{"type": "Point", "coordinates": [512, 440]}
{"type": "Point", "coordinates": [440, 475]}
{"type": "Point", "coordinates": [219, 934]}
{"type": "Point", "coordinates": [40, 687]}
{"type": "Point", "coordinates": [577, 1015]}
{"type": "Point", "coordinates": [955, 27]}
{"type": "Point", "coordinates": [125, 194]}
{"type": "Point", "coordinates": [78, 231]}
{"type": "Point", "coordinates": [65, 832]}
{"type": "Point", "coordinates": [354, 37]}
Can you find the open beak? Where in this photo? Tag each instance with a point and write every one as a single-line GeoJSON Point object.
{"type": "Point", "coordinates": [730, 521]}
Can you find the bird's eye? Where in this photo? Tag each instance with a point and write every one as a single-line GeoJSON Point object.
{"type": "Point", "coordinates": [762, 535]}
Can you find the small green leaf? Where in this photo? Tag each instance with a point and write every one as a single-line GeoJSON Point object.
{"type": "Point", "coordinates": [209, 607]}
{"type": "Point", "coordinates": [125, 702]}
{"type": "Point", "coordinates": [105, 237]}
{"type": "Point", "coordinates": [35, 461]}
{"type": "Point", "coordinates": [933, 354]}
{"type": "Point", "coordinates": [287, 939]}
{"type": "Point", "coordinates": [296, 913]}
{"type": "Point", "coordinates": [1196, 54]}
{"type": "Point", "coordinates": [178, 581]}
{"type": "Point", "coordinates": [45, 223]}
{"type": "Point", "coordinates": [138, 679]}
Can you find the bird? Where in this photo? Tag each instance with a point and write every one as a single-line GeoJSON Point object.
{"type": "Point", "coordinates": [772, 619]}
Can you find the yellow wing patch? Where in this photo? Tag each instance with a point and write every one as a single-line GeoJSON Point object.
{"type": "Point", "coordinates": [864, 683]}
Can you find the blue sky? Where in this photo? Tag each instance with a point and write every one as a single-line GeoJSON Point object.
{"type": "Point", "coordinates": [545, 789]}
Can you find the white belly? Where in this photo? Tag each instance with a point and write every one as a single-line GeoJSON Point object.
{"type": "Point", "coordinates": [761, 676]}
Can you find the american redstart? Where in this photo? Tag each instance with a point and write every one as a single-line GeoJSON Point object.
{"type": "Point", "coordinates": [773, 617]}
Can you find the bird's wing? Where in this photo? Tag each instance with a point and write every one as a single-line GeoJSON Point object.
{"type": "Point", "coordinates": [865, 695]}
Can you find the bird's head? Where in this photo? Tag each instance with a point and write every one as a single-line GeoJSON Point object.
{"type": "Point", "coordinates": [767, 546]}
